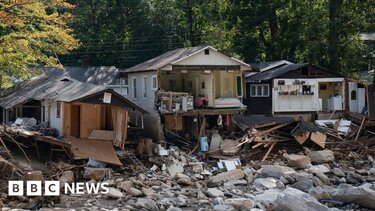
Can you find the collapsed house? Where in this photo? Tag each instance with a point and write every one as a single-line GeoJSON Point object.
{"type": "Point", "coordinates": [284, 88]}
{"type": "Point", "coordinates": [182, 85]}
{"type": "Point", "coordinates": [76, 110]}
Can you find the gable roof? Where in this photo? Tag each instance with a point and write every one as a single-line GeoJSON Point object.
{"type": "Point", "coordinates": [279, 71]}
{"type": "Point", "coordinates": [263, 66]}
{"type": "Point", "coordinates": [50, 87]}
{"type": "Point", "coordinates": [99, 75]}
{"type": "Point", "coordinates": [171, 57]}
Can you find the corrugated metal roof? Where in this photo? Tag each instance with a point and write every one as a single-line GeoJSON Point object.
{"type": "Point", "coordinates": [275, 72]}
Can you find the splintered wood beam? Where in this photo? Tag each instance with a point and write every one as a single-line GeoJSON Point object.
{"type": "Point", "coordinates": [268, 151]}
{"type": "Point", "coordinates": [272, 129]}
{"type": "Point", "coordinates": [360, 128]}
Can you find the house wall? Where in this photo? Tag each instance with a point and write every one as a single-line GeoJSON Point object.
{"type": "Point", "coordinates": [258, 105]}
{"type": "Point", "coordinates": [51, 115]}
{"type": "Point", "coordinates": [152, 127]}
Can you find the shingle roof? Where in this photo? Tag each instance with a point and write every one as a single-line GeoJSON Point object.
{"type": "Point", "coordinates": [164, 59]}
{"type": "Point", "coordinates": [263, 66]}
{"type": "Point", "coordinates": [99, 75]}
{"type": "Point", "coordinates": [275, 72]}
{"type": "Point", "coordinates": [51, 87]}
{"type": "Point", "coordinates": [169, 58]}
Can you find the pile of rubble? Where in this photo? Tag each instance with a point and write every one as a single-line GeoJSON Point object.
{"type": "Point", "coordinates": [309, 180]}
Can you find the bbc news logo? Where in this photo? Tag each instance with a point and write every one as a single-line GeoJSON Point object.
{"type": "Point", "coordinates": [52, 188]}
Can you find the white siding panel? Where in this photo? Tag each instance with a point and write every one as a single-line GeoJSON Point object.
{"type": "Point", "coordinates": [214, 58]}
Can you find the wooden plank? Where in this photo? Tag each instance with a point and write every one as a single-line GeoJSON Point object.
{"type": "Point", "coordinates": [302, 138]}
{"type": "Point", "coordinates": [100, 150]}
{"type": "Point", "coordinates": [203, 127]}
{"type": "Point", "coordinates": [268, 151]}
{"type": "Point", "coordinates": [360, 128]}
{"type": "Point", "coordinates": [108, 135]}
{"type": "Point", "coordinates": [319, 138]}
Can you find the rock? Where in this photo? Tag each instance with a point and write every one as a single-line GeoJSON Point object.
{"type": "Point", "coordinates": [267, 197]}
{"type": "Point", "coordinates": [223, 207]}
{"type": "Point", "coordinates": [372, 170]}
{"type": "Point", "coordinates": [354, 178]}
{"type": "Point", "coordinates": [293, 199]}
{"type": "Point", "coordinates": [125, 185]}
{"type": "Point", "coordinates": [134, 192]}
{"type": "Point", "coordinates": [240, 203]}
{"type": "Point", "coordinates": [302, 176]}
{"type": "Point", "coordinates": [115, 193]}
{"type": "Point", "coordinates": [67, 176]}
{"type": "Point", "coordinates": [218, 200]}
{"type": "Point", "coordinates": [322, 156]}
{"type": "Point", "coordinates": [276, 171]}
{"type": "Point", "coordinates": [304, 185]}
{"type": "Point", "coordinates": [147, 204]}
{"type": "Point", "coordinates": [175, 168]}
{"type": "Point", "coordinates": [342, 180]}
{"type": "Point", "coordinates": [229, 147]}
{"type": "Point", "coordinates": [338, 172]}
{"type": "Point", "coordinates": [362, 172]}
{"type": "Point", "coordinates": [319, 193]}
{"type": "Point", "coordinates": [33, 176]}
{"type": "Point", "coordinates": [214, 192]}
{"type": "Point", "coordinates": [236, 182]}
{"type": "Point", "coordinates": [225, 176]}
{"type": "Point", "coordinates": [298, 161]}
{"type": "Point", "coordinates": [265, 183]}
{"type": "Point", "coordinates": [319, 168]}
{"type": "Point", "coordinates": [72, 201]}
{"type": "Point", "coordinates": [358, 195]}
{"type": "Point", "coordinates": [174, 209]}
{"type": "Point", "coordinates": [96, 173]}
{"type": "Point", "coordinates": [323, 178]}
{"type": "Point", "coordinates": [317, 181]}
{"type": "Point", "coordinates": [185, 181]}
{"type": "Point", "coordinates": [148, 192]}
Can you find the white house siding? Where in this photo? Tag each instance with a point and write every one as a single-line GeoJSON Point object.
{"type": "Point", "coordinates": [213, 58]}
{"type": "Point", "coordinates": [50, 112]}
{"type": "Point", "coordinates": [152, 125]}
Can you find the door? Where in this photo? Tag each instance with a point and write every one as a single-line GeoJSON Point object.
{"type": "Point", "coordinates": [353, 97]}
{"type": "Point", "coordinates": [75, 120]}
{"type": "Point", "coordinates": [206, 88]}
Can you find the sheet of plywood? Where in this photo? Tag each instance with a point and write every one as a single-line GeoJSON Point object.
{"type": "Point", "coordinates": [102, 135]}
{"type": "Point", "coordinates": [302, 138]}
{"type": "Point", "coordinates": [90, 119]}
{"type": "Point", "coordinates": [319, 138]}
{"type": "Point", "coordinates": [120, 124]}
{"type": "Point", "coordinates": [101, 150]}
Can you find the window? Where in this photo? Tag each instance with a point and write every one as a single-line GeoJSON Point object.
{"type": "Point", "coordinates": [124, 86]}
{"type": "Point", "coordinates": [144, 87]}
{"type": "Point", "coordinates": [259, 90]}
{"type": "Point", "coordinates": [154, 83]}
{"type": "Point", "coordinates": [206, 51]}
{"type": "Point", "coordinates": [353, 95]}
{"type": "Point", "coordinates": [134, 87]}
{"type": "Point", "coordinates": [172, 85]}
{"type": "Point", "coordinates": [239, 85]}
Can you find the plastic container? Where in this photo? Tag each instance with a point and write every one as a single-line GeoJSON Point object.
{"type": "Point", "coordinates": [203, 143]}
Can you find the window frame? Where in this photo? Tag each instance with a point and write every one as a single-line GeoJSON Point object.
{"type": "Point", "coordinates": [124, 84]}
{"type": "Point", "coordinates": [154, 88]}
{"type": "Point", "coordinates": [144, 87]}
{"type": "Point", "coordinates": [134, 88]}
{"type": "Point", "coordinates": [259, 87]}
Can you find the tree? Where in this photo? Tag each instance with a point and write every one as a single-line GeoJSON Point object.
{"type": "Point", "coordinates": [30, 32]}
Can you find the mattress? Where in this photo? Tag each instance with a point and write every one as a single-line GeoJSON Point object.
{"type": "Point", "coordinates": [228, 103]}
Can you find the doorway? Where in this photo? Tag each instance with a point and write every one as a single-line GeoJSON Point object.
{"type": "Point", "coordinates": [75, 121]}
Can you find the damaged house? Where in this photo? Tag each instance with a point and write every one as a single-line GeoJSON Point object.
{"type": "Point", "coordinates": [284, 88]}
{"type": "Point", "coordinates": [181, 85]}
{"type": "Point", "coordinates": [72, 108]}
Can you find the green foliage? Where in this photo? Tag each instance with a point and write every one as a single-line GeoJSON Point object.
{"type": "Point", "coordinates": [30, 32]}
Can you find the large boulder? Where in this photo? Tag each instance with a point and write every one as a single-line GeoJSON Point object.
{"type": "Point", "coordinates": [322, 156]}
{"type": "Point", "coordinates": [240, 203]}
{"type": "Point", "coordinates": [225, 176]}
{"type": "Point", "coordinates": [362, 196]}
{"type": "Point", "coordinates": [298, 161]}
{"type": "Point", "coordinates": [293, 199]}
{"type": "Point", "coordinates": [276, 171]}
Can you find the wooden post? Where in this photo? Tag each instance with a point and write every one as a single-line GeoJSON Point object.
{"type": "Point", "coordinates": [360, 128]}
